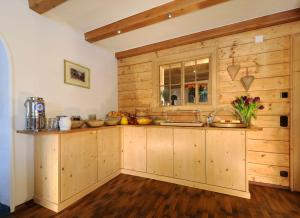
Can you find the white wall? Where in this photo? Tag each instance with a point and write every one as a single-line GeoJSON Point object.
{"type": "Point", "coordinates": [38, 47]}
{"type": "Point", "coordinates": [5, 130]}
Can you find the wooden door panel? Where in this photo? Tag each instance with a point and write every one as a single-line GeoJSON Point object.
{"type": "Point", "coordinates": [109, 151]}
{"type": "Point", "coordinates": [189, 154]}
{"type": "Point", "coordinates": [226, 158]}
{"type": "Point", "coordinates": [160, 151]}
{"type": "Point", "coordinates": [78, 162]}
{"type": "Point", "coordinates": [134, 148]}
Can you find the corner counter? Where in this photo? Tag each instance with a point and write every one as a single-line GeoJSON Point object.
{"type": "Point", "coordinates": [71, 164]}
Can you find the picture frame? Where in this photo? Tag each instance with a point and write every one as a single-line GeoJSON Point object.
{"type": "Point", "coordinates": [76, 75]}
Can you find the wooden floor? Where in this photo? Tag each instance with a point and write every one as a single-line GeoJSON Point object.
{"type": "Point", "coordinates": [129, 196]}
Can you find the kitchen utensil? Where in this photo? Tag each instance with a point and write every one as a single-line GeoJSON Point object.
{"type": "Point", "coordinates": [65, 123]}
{"type": "Point", "coordinates": [35, 113]}
{"type": "Point", "coordinates": [95, 123]}
{"type": "Point", "coordinates": [92, 117]}
{"type": "Point", "coordinates": [76, 124]}
{"type": "Point", "coordinates": [112, 121]}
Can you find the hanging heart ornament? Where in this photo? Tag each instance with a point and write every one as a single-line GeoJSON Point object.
{"type": "Point", "coordinates": [233, 71]}
{"type": "Point", "coordinates": [247, 81]}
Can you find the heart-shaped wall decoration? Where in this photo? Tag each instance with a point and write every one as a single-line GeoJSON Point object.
{"type": "Point", "coordinates": [233, 71]}
{"type": "Point", "coordinates": [247, 81]}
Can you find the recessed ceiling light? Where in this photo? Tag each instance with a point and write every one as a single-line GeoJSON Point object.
{"type": "Point", "coordinates": [169, 15]}
{"type": "Point", "coordinates": [119, 31]}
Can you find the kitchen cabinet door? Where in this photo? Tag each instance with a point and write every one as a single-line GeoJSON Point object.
{"type": "Point", "coordinates": [134, 148]}
{"type": "Point", "coordinates": [226, 158]}
{"type": "Point", "coordinates": [189, 154]}
{"type": "Point", "coordinates": [78, 162]}
{"type": "Point", "coordinates": [109, 151]}
{"type": "Point", "coordinates": [160, 151]}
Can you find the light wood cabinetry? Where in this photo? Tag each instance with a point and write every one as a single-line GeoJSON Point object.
{"type": "Point", "coordinates": [78, 162]}
{"type": "Point", "coordinates": [70, 165]}
{"type": "Point", "coordinates": [189, 154]}
{"type": "Point", "coordinates": [226, 159]}
{"type": "Point", "coordinates": [46, 170]}
{"type": "Point", "coordinates": [134, 148]}
{"type": "Point", "coordinates": [160, 151]}
{"type": "Point", "coordinates": [109, 152]}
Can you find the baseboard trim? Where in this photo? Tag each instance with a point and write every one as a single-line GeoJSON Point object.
{"type": "Point", "coordinates": [242, 194]}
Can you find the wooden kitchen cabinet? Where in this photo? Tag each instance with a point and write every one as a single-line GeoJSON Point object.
{"type": "Point", "coordinates": [134, 148]}
{"type": "Point", "coordinates": [160, 151]}
{"type": "Point", "coordinates": [109, 151]}
{"type": "Point", "coordinates": [78, 162]}
{"type": "Point", "coordinates": [226, 158]}
{"type": "Point", "coordinates": [189, 154]}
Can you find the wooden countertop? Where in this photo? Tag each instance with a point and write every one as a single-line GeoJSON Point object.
{"type": "Point", "coordinates": [45, 132]}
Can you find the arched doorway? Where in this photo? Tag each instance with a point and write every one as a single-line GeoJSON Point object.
{"type": "Point", "coordinates": [6, 129]}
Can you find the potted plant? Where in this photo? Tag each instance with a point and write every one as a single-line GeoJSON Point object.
{"type": "Point", "coordinates": [247, 108]}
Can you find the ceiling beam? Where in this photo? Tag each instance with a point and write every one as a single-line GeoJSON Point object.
{"type": "Point", "coordinates": [42, 6]}
{"type": "Point", "coordinates": [163, 12]}
{"type": "Point", "coordinates": [257, 23]}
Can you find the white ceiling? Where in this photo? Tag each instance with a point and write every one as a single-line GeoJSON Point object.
{"type": "Point", "coordinates": [85, 15]}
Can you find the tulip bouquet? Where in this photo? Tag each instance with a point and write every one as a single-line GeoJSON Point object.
{"type": "Point", "coordinates": [247, 108]}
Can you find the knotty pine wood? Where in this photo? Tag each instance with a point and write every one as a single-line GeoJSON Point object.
{"type": "Point", "coordinates": [253, 24]}
{"type": "Point", "coordinates": [295, 150]}
{"type": "Point", "coordinates": [130, 196]}
{"type": "Point", "coordinates": [269, 62]}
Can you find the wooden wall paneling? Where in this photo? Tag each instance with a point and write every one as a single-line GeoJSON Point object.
{"type": "Point", "coordinates": [47, 171]}
{"type": "Point", "coordinates": [160, 151]}
{"type": "Point", "coordinates": [269, 172]}
{"type": "Point", "coordinates": [226, 159]}
{"type": "Point", "coordinates": [189, 154]}
{"type": "Point", "coordinates": [279, 147]}
{"type": "Point", "coordinates": [79, 166]}
{"type": "Point", "coordinates": [269, 62]}
{"type": "Point", "coordinates": [269, 158]}
{"type": "Point", "coordinates": [134, 148]}
{"type": "Point", "coordinates": [295, 137]}
{"type": "Point", "coordinates": [109, 151]}
{"type": "Point", "coordinates": [257, 23]}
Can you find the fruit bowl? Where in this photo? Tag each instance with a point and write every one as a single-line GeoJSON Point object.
{"type": "Point", "coordinates": [95, 123]}
{"type": "Point", "coordinates": [143, 120]}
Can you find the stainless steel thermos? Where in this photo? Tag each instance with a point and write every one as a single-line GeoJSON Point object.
{"type": "Point", "coordinates": [35, 113]}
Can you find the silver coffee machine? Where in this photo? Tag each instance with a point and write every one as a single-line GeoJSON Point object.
{"type": "Point", "coordinates": [35, 113]}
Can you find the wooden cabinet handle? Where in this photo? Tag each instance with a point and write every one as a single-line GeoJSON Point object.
{"type": "Point", "coordinates": [62, 169]}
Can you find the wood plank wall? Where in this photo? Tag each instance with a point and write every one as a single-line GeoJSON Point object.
{"type": "Point", "coordinates": [269, 62]}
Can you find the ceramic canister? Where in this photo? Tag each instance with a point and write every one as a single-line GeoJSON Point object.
{"type": "Point", "coordinates": [65, 123]}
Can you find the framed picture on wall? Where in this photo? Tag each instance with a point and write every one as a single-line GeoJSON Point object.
{"type": "Point", "coordinates": [76, 74]}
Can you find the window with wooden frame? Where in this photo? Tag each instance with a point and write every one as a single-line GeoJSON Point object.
{"type": "Point", "coordinates": [186, 82]}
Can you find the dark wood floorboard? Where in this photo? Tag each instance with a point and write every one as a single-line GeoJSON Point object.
{"type": "Point", "coordinates": [129, 196]}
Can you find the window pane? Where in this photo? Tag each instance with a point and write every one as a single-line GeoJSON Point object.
{"type": "Point", "coordinates": [175, 73]}
{"type": "Point", "coordinates": [202, 69]}
{"type": "Point", "coordinates": [175, 94]}
{"type": "Point", "coordinates": [189, 93]}
{"type": "Point", "coordinates": [189, 71]}
{"type": "Point", "coordinates": [164, 75]}
{"type": "Point", "coordinates": [203, 92]}
{"type": "Point", "coordinates": [164, 95]}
